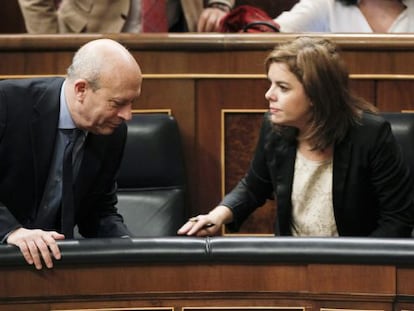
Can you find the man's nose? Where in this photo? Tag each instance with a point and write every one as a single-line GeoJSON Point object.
{"type": "Point", "coordinates": [125, 112]}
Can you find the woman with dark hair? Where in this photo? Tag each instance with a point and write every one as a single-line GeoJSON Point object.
{"type": "Point", "coordinates": [380, 16]}
{"type": "Point", "coordinates": [329, 160]}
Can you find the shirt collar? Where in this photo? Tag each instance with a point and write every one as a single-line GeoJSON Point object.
{"type": "Point", "coordinates": [65, 119]}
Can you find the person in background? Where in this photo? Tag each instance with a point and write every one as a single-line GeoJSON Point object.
{"type": "Point", "coordinates": [95, 99]}
{"type": "Point", "coordinates": [211, 17]}
{"type": "Point", "coordinates": [339, 16]}
{"type": "Point", "coordinates": [346, 16]}
{"type": "Point", "coordinates": [109, 16]}
{"type": "Point", "coordinates": [327, 157]}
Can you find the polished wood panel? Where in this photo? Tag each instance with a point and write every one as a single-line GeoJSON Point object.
{"type": "Point", "coordinates": [405, 285]}
{"type": "Point", "coordinates": [343, 278]}
{"type": "Point", "coordinates": [193, 286]}
{"type": "Point", "coordinates": [214, 96]}
{"type": "Point", "coordinates": [203, 53]}
{"type": "Point", "coordinates": [239, 138]}
{"type": "Point", "coordinates": [244, 309]}
{"type": "Point", "coordinates": [395, 95]}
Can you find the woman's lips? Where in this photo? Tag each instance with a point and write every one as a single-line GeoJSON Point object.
{"type": "Point", "coordinates": [274, 110]}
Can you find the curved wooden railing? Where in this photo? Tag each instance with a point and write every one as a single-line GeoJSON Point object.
{"type": "Point", "coordinates": [219, 273]}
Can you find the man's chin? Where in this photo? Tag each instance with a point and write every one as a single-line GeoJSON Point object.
{"type": "Point", "coordinates": [103, 130]}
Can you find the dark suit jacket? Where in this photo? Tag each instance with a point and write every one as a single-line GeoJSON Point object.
{"type": "Point", "coordinates": [29, 113]}
{"type": "Point", "coordinates": [371, 183]}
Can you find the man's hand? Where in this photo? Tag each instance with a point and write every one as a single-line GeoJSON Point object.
{"type": "Point", "coordinates": [36, 244]}
{"type": "Point", "coordinates": [210, 19]}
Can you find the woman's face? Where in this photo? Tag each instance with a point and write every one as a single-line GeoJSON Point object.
{"type": "Point", "coordinates": [288, 103]}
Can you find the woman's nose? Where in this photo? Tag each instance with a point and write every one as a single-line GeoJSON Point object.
{"type": "Point", "coordinates": [269, 95]}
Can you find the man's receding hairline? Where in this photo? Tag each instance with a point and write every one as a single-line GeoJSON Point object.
{"type": "Point", "coordinates": [98, 58]}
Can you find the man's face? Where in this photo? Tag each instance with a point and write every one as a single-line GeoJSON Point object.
{"type": "Point", "coordinates": [107, 107]}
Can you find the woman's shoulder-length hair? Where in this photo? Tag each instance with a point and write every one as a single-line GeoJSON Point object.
{"type": "Point", "coordinates": [317, 65]}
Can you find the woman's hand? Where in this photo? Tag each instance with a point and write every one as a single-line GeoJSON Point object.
{"type": "Point", "coordinates": [208, 224]}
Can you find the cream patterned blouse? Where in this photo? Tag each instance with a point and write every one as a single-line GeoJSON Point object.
{"type": "Point", "coordinates": [312, 207]}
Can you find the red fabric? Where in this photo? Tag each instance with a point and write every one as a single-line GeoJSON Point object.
{"type": "Point", "coordinates": [154, 16]}
{"type": "Point", "coordinates": [243, 19]}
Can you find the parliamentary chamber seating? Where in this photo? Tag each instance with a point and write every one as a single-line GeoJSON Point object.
{"type": "Point", "coordinates": [402, 125]}
{"type": "Point", "coordinates": [152, 179]}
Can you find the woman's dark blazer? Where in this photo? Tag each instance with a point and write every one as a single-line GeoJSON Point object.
{"type": "Point", "coordinates": [29, 113]}
{"type": "Point", "coordinates": [372, 187]}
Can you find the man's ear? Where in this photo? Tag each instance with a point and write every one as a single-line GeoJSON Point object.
{"type": "Point", "coordinates": [80, 86]}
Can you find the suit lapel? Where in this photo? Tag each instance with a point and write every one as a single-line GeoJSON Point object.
{"type": "Point", "coordinates": [284, 160]}
{"type": "Point", "coordinates": [341, 162]}
{"type": "Point", "coordinates": [43, 133]}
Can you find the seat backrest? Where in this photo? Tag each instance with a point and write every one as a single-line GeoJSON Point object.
{"type": "Point", "coordinates": [402, 126]}
{"type": "Point", "coordinates": [152, 181]}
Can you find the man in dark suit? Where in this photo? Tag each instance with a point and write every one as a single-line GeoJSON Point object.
{"type": "Point", "coordinates": [96, 97]}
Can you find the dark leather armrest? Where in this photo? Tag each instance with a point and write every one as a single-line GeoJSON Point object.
{"type": "Point", "coordinates": [227, 250]}
{"type": "Point", "coordinates": [121, 250]}
{"type": "Point", "coordinates": [313, 250]}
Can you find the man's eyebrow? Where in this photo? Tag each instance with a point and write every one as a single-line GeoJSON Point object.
{"type": "Point", "coordinates": [118, 99]}
{"type": "Point", "coordinates": [123, 101]}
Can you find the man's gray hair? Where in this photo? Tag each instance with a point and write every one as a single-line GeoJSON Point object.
{"type": "Point", "coordinates": [86, 66]}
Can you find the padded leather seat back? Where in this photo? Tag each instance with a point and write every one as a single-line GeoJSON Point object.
{"type": "Point", "coordinates": [152, 182]}
{"type": "Point", "coordinates": [402, 125]}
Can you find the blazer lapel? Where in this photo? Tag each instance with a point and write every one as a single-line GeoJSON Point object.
{"type": "Point", "coordinates": [284, 161]}
{"type": "Point", "coordinates": [341, 162]}
{"type": "Point", "coordinates": [43, 133]}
